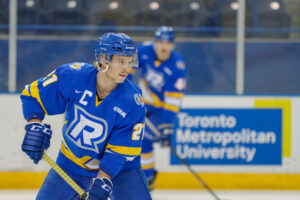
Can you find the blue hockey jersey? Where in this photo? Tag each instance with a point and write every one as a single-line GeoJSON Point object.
{"type": "Point", "coordinates": [92, 127]}
{"type": "Point", "coordinates": [162, 83]}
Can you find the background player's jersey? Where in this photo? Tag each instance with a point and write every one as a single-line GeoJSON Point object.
{"type": "Point", "coordinates": [92, 127]}
{"type": "Point", "coordinates": [162, 83]}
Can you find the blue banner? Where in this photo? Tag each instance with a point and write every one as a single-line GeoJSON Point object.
{"type": "Point", "coordinates": [228, 136]}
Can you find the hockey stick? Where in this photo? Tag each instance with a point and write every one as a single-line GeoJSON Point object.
{"type": "Point", "coordinates": [65, 176]}
{"type": "Point", "coordinates": [157, 133]}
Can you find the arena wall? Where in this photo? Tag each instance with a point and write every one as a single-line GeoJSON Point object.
{"type": "Point", "coordinates": [273, 164]}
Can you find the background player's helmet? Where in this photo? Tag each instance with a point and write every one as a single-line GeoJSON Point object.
{"type": "Point", "coordinates": [165, 33]}
{"type": "Point", "coordinates": [111, 44]}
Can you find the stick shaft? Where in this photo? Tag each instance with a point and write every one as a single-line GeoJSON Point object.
{"type": "Point", "coordinates": [65, 176]}
{"type": "Point", "coordinates": [194, 173]}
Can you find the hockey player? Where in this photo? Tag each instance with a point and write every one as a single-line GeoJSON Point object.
{"type": "Point", "coordinates": [103, 129]}
{"type": "Point", "coordinates": [162, 82]}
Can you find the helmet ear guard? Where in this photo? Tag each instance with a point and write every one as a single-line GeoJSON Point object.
{"type": "Point", "coordinates": [105, 64]}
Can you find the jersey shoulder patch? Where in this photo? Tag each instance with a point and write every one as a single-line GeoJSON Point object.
{"type": "Point", "coordinates": [132, 94]}
{"type": "Point", "coordinates": [76, 65]}
{"type": "Point", "coordinates": [75, 71]}
{"type": "Point", "coordinates": [139, 99]}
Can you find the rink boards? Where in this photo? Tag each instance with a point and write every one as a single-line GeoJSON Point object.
{"type": "Point", "coordinates": [233, 142]}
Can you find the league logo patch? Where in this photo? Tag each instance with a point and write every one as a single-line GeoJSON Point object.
{"type": "Point", "coordinates": [139, 100]}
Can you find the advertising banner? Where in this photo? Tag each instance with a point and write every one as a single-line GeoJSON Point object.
{"type": "Point", "coordinates": [229, 136]}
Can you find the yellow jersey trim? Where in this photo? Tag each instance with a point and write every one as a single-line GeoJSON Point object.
{"type": "Point", "coordinates": [71, 156]}
{"type": "Point", "coordinates": [157, 102]}
{"type": "Point", "coordinates": [146, 155]}
{"type": "Point", "coordinates": [150, 166]}
{"type": "Point", "coordinates": [25, 92]}
{"type": "Point", "coordinates": [131, 151]}
{"type": "Point", "coordinates": [34, 90]}
{"type": "Point", "coordinates": [174, 94]}
{"type": "Point", "coordinates": [157, 63]}
{"type": "Point", "coordinates": [171, 108]}
{"type": "Point", "coordinates": [97, 101]}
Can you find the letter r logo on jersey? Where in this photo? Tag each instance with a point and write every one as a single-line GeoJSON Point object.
{"type": "Point", "coordinates": [90, 130]}
{"type": "Point", "coordinates": [86, 130]}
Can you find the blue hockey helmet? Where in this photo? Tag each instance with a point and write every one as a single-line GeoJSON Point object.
{"type": "Point", "coordinates": [165, 33]}
{"type": "Point", "coordinates": [111, 44]}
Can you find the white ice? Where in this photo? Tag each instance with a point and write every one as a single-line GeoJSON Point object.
{"type": "Point", "coordinates": [181, 195]}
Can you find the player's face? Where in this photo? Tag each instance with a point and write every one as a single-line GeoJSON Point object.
{"type": "Point", "coordinates": [163, 49]}
{"type": "Point", "coordinates": [119, 68]}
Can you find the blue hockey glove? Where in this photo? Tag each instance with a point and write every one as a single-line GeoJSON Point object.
{"type": "Point", "coordinates": [101, 189]}
{"type": "Point", "coordinates": [36, 140]}
{"type": "Point", "coordinates": [166, 131]}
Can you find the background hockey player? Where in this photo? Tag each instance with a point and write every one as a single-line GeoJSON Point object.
{"type": "Point", "coordinates": [162, 82]}
{"type": "Point", "coordinates": [103, 129]}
